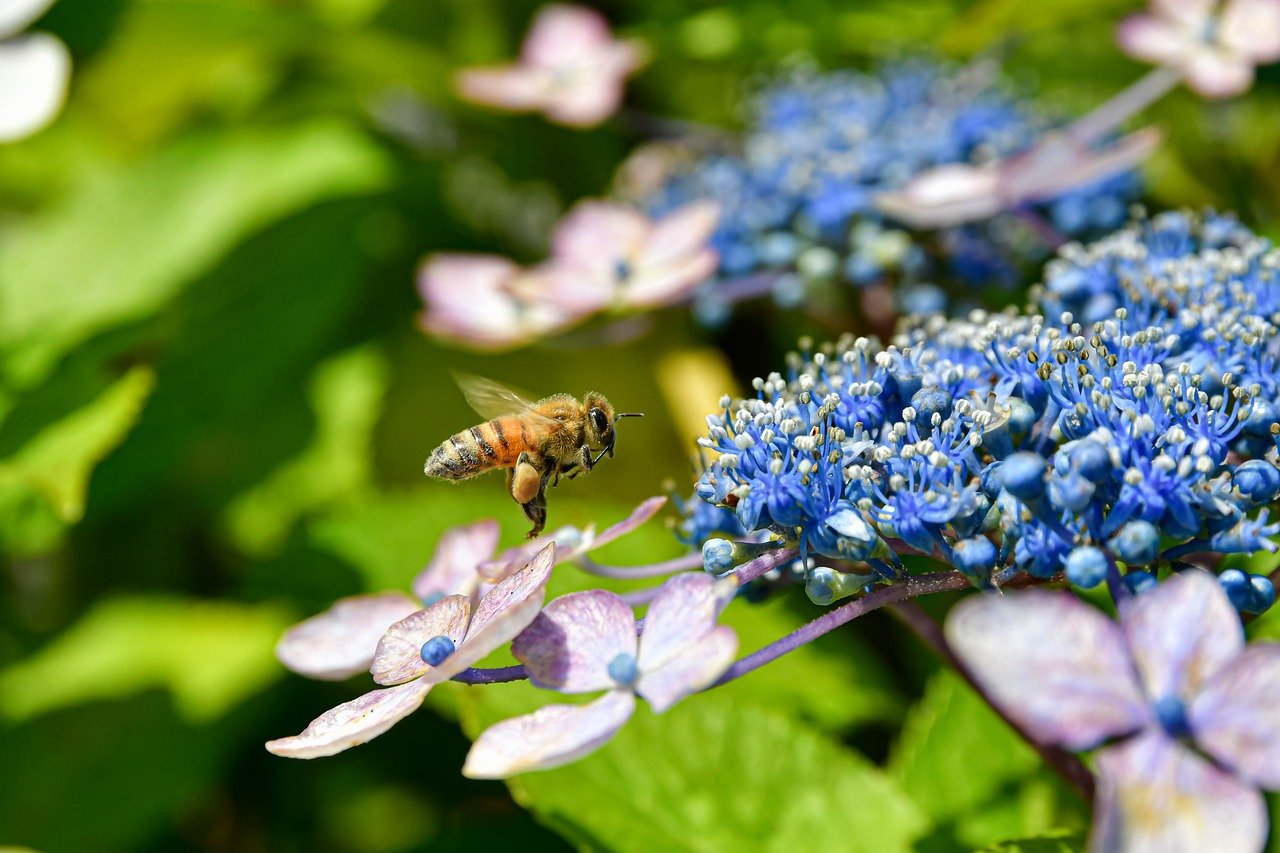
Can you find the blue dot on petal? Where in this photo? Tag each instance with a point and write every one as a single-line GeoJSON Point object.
{"type": "Point", "coordinates": [435, 650]}
{"type": "Point", "coordinates": [623, 669]}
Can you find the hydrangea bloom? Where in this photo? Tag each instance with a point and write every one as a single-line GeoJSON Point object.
{"type": "Point", "coordinates": [586, 642]}
{"type": "Point", "coordinates": [34, 69]}
{"type": "Point", "coordinates": [1111, 431]}
{"type": "Point", "coordinates": [799, 190]}
{"type": "Point", "coordinates": [571, 69]}
{"type": "Point", "coordinates": [1174, 680]}
{"type": "Point", "coordinates": [1215, 49]}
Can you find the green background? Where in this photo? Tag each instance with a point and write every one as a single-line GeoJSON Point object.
{"type": "Point", "coordinates": [215, 403]}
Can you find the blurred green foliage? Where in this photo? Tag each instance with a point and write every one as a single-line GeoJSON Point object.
{"type": "Point", "coordinates": [214, 405]}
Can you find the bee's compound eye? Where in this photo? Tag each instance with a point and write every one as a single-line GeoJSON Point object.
{"type": "Point", "coordinates": [599, 420]}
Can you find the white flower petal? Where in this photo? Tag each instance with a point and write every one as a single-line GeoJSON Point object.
{"type": "Point", "coordinates": [15, 15]}
{"type": "Point", "coordinates": [353, 723]}
{"type": "Point", "coordinates": [34, 70]}
{"type": "Point", "coordinates": [398, 657]}
{"type": "Point", "coordinates": [340, 642]}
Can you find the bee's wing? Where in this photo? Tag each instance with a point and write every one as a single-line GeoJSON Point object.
{"type": "Point", "coordinates": [493, 400]}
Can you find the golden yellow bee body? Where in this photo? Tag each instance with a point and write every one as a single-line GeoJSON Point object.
{"type": "Point", "coordinates": [536, 442]}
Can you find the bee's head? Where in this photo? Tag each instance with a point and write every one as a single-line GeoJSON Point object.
{"type": "Point", "coordinates": [601, 418]}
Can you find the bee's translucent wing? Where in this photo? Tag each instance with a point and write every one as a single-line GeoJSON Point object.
{"type": "Point", "coordinates": [493, 400]}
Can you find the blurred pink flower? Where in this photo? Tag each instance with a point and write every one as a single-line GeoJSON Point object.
{"type": "Point", "coordinates": [606, 255]}
{"type": "Point", "coordinates": [1059, 162]}
{"type": "Point", "coordinates": [571, 69]}
{"type": "Point", "coordinates": [1215, 47]}
{"type": "Point", "coordinates": [480, 300]}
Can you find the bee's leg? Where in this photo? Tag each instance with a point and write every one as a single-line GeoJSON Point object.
{"type": "Point", "coordinates": [525, 480]}
{"type": "Point", "coordinates": [536, 510]}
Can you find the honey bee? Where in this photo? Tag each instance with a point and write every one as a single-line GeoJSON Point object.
{"type": "Point", "coordinates": [536, 442]}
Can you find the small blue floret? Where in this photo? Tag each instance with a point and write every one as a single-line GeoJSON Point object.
{"type": "Point", "coordinates": [975, 558]}
{"type": "Point", "coordinates": [1172, 715]}
{"type": "Point", "coordinates": [1087, 567]}
{"type": "Point", "coordinates": [1258, 480]}
{"type": "Point", "coordinates": [623, 669]}
{"type": "Point", "coordinates": [717, 556]}
{"type": "Point", "coordinates": [1262, 594]}
{"type": "Point", "coordinates": [1023, 475]}
{"type": "Point", "coordinates": [1137, 543]}
{"type": "Point", "coordinates": [1235, 583]}
{"type": "Point", "coordinates": [1139, 581]}
{"type": "Point", "coordinates": [437, 649]}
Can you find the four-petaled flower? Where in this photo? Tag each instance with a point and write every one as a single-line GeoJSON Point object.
{"type": "Point", "coordinates": [586, 642]}
{"type": "Point", "coordinates": [1214, 49]}
{"type": "Point", "coordinates": [1194, 707]}
{"type": "Point", "coordinates": [423, 649]}
{"type": "Point", "coordinates": [571, 69]}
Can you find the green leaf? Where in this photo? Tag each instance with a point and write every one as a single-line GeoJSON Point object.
{"type": "Point", "coordinates": [209, 655]}
{"type": "Point", "coordinates": [710, 775]}
{"type": "Point", "coordinates": [977, 779]}
{"type": "Point", "coordinates": [58, 461]}
{"type": "Point", "coordinates": [346, 395]}
{"type": "Point", "coordinates": [123, 244]}
{"type": "Point", "coordinates": [1057, 841]}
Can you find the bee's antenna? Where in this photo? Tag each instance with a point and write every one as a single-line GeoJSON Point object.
{"type": "Point", "coordinates": [621, 415]}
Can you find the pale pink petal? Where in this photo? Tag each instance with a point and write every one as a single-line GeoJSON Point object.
{"type": "Point", "coordinates": [518, 556]}
{"type": "Point", "coordinates": [1052, 663]}
{"type": "Point", "coordinates": [1251, 28]}
{"type": "Point", "coordinates": [1192, 14]}
{"type": "Point", "coordinates": [551, 736]}
{"type": "Point", "coordinates": [590, 99]}
{"type": "Point", "coordinates": [642, 513]}
{"type": "Point", "coordinates": [943, 196]}
{"type": "Point", "coordinates": [504, 612]}
{"type": "Point", "coordinates": [452, 569]}
{"type": "Point", "coordinates": [1057, 165]}
{"type": "Point", "coordinates": [562, 35]}
{"type": "Point", "coordinates": [399, 654]}
{"type": "Point", "coordinates": [353, 723]}
{"type": "Point", "coordinates": [1156, 796]}
{"type": "Point", "coordinates": [574, 290]}
{"type": "Point", "coordinates": [1181, 634]}
{"type": "Point", "coordinates": [683, 612]}
{"type": "Point", "coordinates": [595, 235]}
{"type": "Point", "coordinates": [340, 642]}
{"type": "Point", "coordinates": [508, 87]}
{"type": "Point", "coordinates": [570, 644]}
{"type": "Point", "coordinates": [694, 668]}
{"type": "Point", "coordinates": [669, 283]}
{"type": "Point", "coordinates": [1155, 39]}
{"type": "Point", "coordinates": [470, 299]}
{"type": "Point", "coordinates": [683, 232]}
{"type": "Point", "coordinates": [1216, 73]}
{"type": "Point", "coordinates": [34, 71]}
{"type": "Point", "coordinates": [1236, 717]}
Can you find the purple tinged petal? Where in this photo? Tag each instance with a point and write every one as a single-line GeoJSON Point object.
{"type": "Point", "coordinates": [399, 654]}
{"type": "Point", "coordinates": [683, 612]}
{"type": "Point", "coordinates": [452, 569]}
{"type": "Point", "coordinates": [1156, 795]}
{"type": "Point", "coordinates": [569, 645]}
{"type": "Point", "coordinates": [1252, 28]}
{"type": "Point", "coordinates": [551, 736]}
{"type": "Point", "coordinates": [694, 668]}
{"type": "Point", "coordinates": [1052, 663]}
{"type": "Point", "coordinates": [340, 642]}
{"type": "Point", "coordinates": [501, 615]}
{"type": "Point", "coordinates": [353, 723]}
{"type": "Point", "coordinates": [1181, 633]}
{"type": "Point", "coordinates": [645, 511]}
{"type": "Point", "coordinates": [1236, 717]}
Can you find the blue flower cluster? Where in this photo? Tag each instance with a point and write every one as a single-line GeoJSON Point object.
{"type": "Point", "coordinates": [797, 194]}
{"type": "Point", "coordinates": [1011, 442]}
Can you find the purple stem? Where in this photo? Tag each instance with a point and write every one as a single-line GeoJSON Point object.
{"type": "Point", "coordinates": [914, 585]}
{"type": "Point", "coordinates": [751, 286]}
{"type": "Point", "coordinates": [753, 569]}
{"type": "Point", "coordinates": [1066, 764]}
{"type": "Point", "coordinates": [498, 675]}
{"type": "Point", "coordinates": [1128, 102]}
{"type": "Point", "coordinates": [653, 570]}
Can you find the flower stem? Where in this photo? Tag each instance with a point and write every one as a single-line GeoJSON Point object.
{"type": "Point", "coordinates": [1066, 764]}
{"type": "Point", "coordinates": [766, 562]}
{"type": "Point", "coordinates": [498, 675]}
{"type": "Point", "coordinates": [653, 570]}
{"type": "Point", "coordinates": [1128, 102]}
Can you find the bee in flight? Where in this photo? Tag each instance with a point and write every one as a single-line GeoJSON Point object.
{"type": "Point", "coordinates": [536, 442]}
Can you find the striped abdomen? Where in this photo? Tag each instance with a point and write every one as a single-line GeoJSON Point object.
{"type": "Point", "coordinates": [493, 444]}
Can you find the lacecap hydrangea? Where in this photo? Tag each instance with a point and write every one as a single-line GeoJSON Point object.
{"type": "Point", "coordinates": [1129, 427]}
{"type": "Point", "coordinates": [797, 190]}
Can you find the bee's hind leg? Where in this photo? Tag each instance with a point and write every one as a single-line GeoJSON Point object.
{"type": "Point", "coordinates": [525, 480]}
{"type": "Point", "coordinates": [536, 511]}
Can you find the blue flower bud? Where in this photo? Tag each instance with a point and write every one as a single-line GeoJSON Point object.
{"type": "Point", "coordinates": [717, 556]}
{"type": "Point", "coordinates": [778, 248]}
{"type": "Point", "coordinates": [1022, 417]}
{"type": "Point", "coordinates": [1023, 476]}
{"type": "Point", "coordinates": [1262, 414]}
{"type": "Point", "coordinates": [1091, 460]}
{"type": "Point", "coordinates": [924, 299]}
{"type": "Point", "coordinates": [975, 558]}
{"type": "Point", "coordinates": [1073, 492]}
{"type": "Point", "coordinates": [1262, 594]}
{"type": "Point", "coordinates": [1236, 584]}
{"type": "Point", "coordinates": [1087, 567]}
{"type": "Point", "coordinates": [623, 669]}
{"type": "Point", "coordinates": [1139, 581]}
{"type": "Point", "coordinates": [825, 585]}
{"type": "Point", "coordinates": [990, 480]}
{"type": "Point", "coordinates": [1137, 543]}
{"type": "Point", "coordinates": [435, 650]}
{"type": "Point", "coordinates": [929, 401]}
{"type": "Point", "coordinates": [1171, 713]}
{"type": "Point", "coordinates": [1258, 480]}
